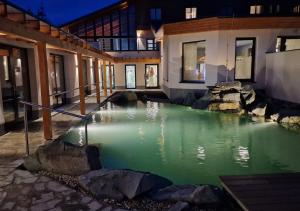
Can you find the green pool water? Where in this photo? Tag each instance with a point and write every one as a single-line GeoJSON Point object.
{"type": "Point", "coordinates": [188, 146]}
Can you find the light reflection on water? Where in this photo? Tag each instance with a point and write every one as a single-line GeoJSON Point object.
{"type": "Point", "coordinates": [189, 146]}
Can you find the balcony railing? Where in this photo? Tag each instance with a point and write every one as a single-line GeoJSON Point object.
{"type": "Point", "coordinates": [126, 44]}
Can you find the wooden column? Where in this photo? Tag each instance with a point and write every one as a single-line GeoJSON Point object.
{"type": "Point", "coordinates": [44, 80]}
{"type": "Point", "coordinates": [96, 70]}
{"type": "Point", "coordinates": [110, 79]}
{"type": "Point", "coordinates": [104, 79]}
{"type": "Point", "coordinates": [81, 84]}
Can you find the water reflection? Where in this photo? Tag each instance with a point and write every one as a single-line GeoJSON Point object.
{"type": "Point", "coordinates": [190, 146]}
{"type": "Point", "coordinates": [152, 110]}
{"type": "Point", "coordinates": [201, 154]}
{"type": "Point", "coordinates": [241, 156]}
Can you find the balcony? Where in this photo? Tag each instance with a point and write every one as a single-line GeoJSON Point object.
{"type": "Point", "coordinates": [117, 44]}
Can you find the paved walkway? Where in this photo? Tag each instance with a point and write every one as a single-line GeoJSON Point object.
{"type": "Point", "coordinates": [21, 190]}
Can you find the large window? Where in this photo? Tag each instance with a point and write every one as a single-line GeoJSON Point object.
{"type": "Point", "coordinates": [193, 62]}
{"type": "Point", "coordinates": [155, 14]}
{"type": "Point", "coordinates": [245, 58]}
{"type": "Point", "coordinates": [288, 43]}
{"type": "Point", "coordinates": [256, 9]}
{"type": "Point", "coordinates": [190, 13]}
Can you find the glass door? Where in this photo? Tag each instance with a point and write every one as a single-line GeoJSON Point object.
{"type": "Point", "coordinates": [130, 76]}
{"type": "Point", "coordinates": [14, 83]}
{"type": "Point", "coordinates": [151, 75]}
{"type": "Point", "coordinates": [57, 79]}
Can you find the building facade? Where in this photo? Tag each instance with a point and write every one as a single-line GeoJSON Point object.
{"type": "Point", "coordinates": [199, 43]}
{"type": "Point", "coordinates": [175, 46]}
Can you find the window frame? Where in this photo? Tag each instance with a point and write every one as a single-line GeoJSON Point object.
{"type": "Point", "coordinates": [128, 65]}
{"type": "Point", "coordinates": [182, 80]}
{"type": "Point", "coordinates": [253, 61]}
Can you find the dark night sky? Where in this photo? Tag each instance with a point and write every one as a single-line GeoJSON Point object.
{"type": "Point", "coordinates": [62, 11]}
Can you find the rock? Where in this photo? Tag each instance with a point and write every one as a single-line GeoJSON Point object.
{"type": "Point", "coordinates": [228, 106]}
{"type": "Point", "coordinates": [120, 184]}
{"type": "Point", "coordinates": [189, 99]}
{"type": "Point", "coordinates": [225, 86]}
{"type": "Point", "coordinates": [228, 97]}
{"type": "Point", "coordinates": [203, 102]}
{"type": "Point", "coordinates": [199, 195]}
{"type": "Point", "coordinates": [291, 120]}
{"type": "Point", "coordinates": [274, 117]}
{"type": "Point", "coordinates": [291, 123]}
{"type": "Point", "coordinates": [259, 110]}
{"type": "Point", "coordinates": [63, 158]}
{"type": "Point", "coordinates": [248, 95]}
{"type": "Point", "coordinates": [124, 98]}
{"type": "Point", "coordinates": [180, 206]}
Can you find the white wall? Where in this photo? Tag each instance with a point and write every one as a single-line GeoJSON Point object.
{"type": "Point", "coordinates": [140, 74]}
{"type": "Point", "coordinates": [220, 54]}
{"type": "Point", "coordinates": [283, 75]}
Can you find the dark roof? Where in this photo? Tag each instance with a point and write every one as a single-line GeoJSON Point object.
{"type": "Point", "coordinates": [26, 11]}
{"type": "Point", "coordinates": [94, 13]}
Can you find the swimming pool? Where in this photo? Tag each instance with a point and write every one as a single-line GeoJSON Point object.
{"type": "Point", "coordinates": [188, 146]}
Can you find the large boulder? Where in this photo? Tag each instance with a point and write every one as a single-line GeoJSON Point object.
{"type": "Point", "coordinates": [124, 98]}
{"type": "Point", "coordinates": [198, 195]}
{"type": "Point", "coordinates": [63, 158]}
{"type": "Point", "coordinates": [180, 206]}
{"type": "Point", "coordinates": [225, 106]}
{"type": "Point", "coordinates": [120, 184]}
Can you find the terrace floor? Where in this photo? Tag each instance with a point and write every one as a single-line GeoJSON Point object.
{"type": "Point", "coordinates": [21, 190]}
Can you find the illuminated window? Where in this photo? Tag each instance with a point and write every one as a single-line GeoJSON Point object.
{"type": "Point", "coordinates": [296, 9]}
{"type": "Point", "coordinates": [151, 45]}
{"type": "Point", "coordinates": [194, 62]}
{"type": "Point", "coordinates": [256, 9]}
{"type": "Point", "coordinates": [190, 13]}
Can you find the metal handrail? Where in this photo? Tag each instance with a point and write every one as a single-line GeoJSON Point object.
{"type": "Point", "coordinates": [68, 91]}
{"type": "Point", "coordinates": [61, 111]}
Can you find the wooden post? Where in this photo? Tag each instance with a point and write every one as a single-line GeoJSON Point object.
{"type": "Point", "coordinates": [81, 84]}
{"type": "Point", "coordinates": [96, 70]}
{"type": "Point", "coordinates": [104, 79]}
{"type": "Point", "coordinates": [44, 80]}
{"type": "Point", "coordinates": [110, 79]}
